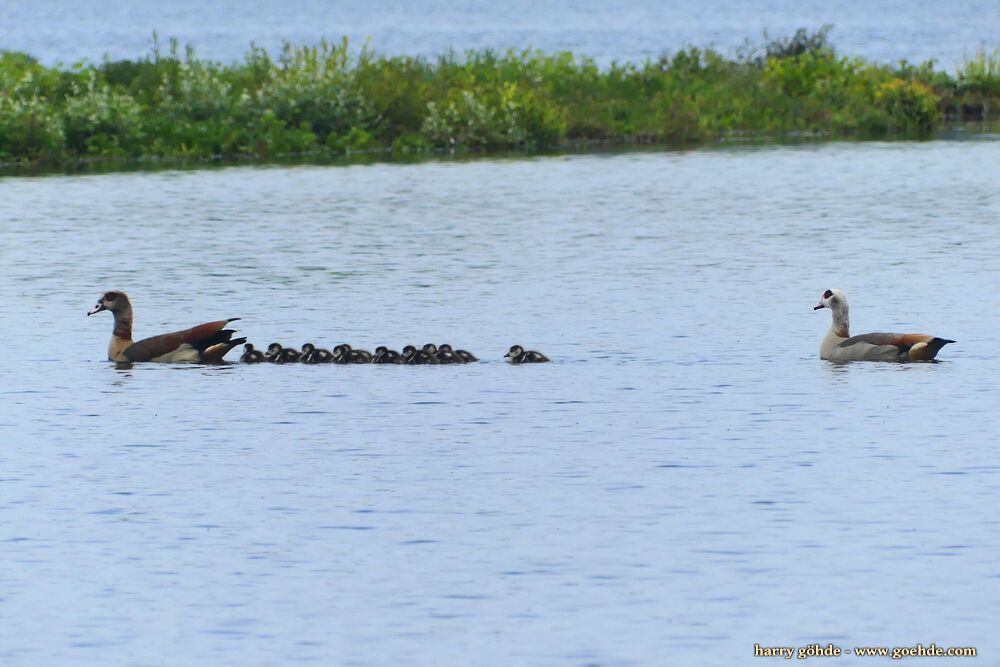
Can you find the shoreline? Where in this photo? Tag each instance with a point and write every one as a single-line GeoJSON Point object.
{"type": "Point", "coordinates": [99, 165]}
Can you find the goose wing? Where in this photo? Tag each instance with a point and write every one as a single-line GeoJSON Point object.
{"type": "Point", "coordinates": [914, 347]}
{"type": "Point", "coordinates": [211, 339]}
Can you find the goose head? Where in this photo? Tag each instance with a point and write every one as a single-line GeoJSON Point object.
{"type": "Point", "coordinates": [514, 351]}
{"type": "Point", "coordinates": [836, 301]}
{"type": "Point", "coordinates": [114, 301]}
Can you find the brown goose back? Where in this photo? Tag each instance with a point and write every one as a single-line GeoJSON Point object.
{"type": "Point", "coordinates": [204, 337]}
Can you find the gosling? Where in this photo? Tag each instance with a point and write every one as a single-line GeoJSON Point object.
{"type": "Point", "coordinates": [273, 352]}
{"type": "Point", "coordinates": [288, 355]}
{"type": "Point", "coordinates": [344, 354]}
{"type": "Point", "coordinates": [445, 355]}
{"type": "Point", "coordinates": [518, 355]}
{"type": "Point", "coordinates": [252, 356]}
{"type": "Point", "coordinates": [315, 355]}
{"type": "Point", "coordinates": [384, 355]}
{"type": "Point", "coordinates": [465, 356]}
{"type": "Point", "coordinates": [415, 357]}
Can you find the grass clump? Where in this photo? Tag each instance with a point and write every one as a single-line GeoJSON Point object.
{"type": "Point", "coordinates": [330, 99]}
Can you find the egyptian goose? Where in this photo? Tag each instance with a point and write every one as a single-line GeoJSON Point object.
{"type": "Point", "coordinates": [839, 345]}
{"type": "Point", "coordinates": [252, 356]}
{"type": "Point", "coordinates": [273, 352]}
{"type": "Point", "coordinates": [207, 343]}
{"type": "Point", "coordinates": [463, 355]}
{"type": "Point", "coordinates": [518, 355]}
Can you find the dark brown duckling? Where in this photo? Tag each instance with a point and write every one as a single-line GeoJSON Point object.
{"type": "Point", "coordinates": [342, 354]}
{"type": "Point", "coordinates": [252, 356]}
{"type": "Point", "coordinates": [431, 350]}
{"type": "Point", "coordinates": [345, 354]}
{"type": "Point", "coordinates": [518, 355]}
{"type": "Point", "coordinates": [361, 356]}
{"type": "Point", "coordinates": [288, 356]}
{"type": "Point", "coordinates": [407, 355]}
{"type": "Point", "coordinates": [384, 355]}
{"type": "Point", "coordinates": [315, 355]}
{"type": "Point", "coordinates": [273, 352]}
{"type": "Point", "coordinates": [445, 355]}
{"type": "Point", "coordinates": [464, 355]}
{"type": "Point", "coordinates": [422, 356]}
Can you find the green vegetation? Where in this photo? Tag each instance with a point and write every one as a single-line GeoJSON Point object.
{"type": "Point", "coordinates": [330, 100]}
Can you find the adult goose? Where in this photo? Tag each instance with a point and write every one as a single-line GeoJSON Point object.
{"type": "Point", "coordinates": [206, 343]}
{"type": "Point", "coordinates": [839, 345]}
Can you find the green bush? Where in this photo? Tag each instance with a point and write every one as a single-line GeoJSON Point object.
{"type": "Point", "coordinates": [314, 88]}
{"type": "Point", "coordinates": [100, 121]}
{"type": "Point", "coordinates": [330, 99]}
{"type": "Point", "coordinates": [29, 130]}
{"type": "Point", "coordinates": [910, 105]}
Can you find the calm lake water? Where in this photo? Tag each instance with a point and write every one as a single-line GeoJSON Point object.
{"type": "Point", "coordinates": [685, 479]}
{"type": "Point", "coordinates": [889, 30]}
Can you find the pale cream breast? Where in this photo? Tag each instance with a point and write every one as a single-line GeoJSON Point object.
{"type": "Point", "coordinates": [830, 341]}
{"type": "Point", "coordinates": [117, 347]}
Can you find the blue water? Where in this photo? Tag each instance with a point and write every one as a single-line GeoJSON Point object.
{"type": "Point", "coordinates": [686, 479]}
{"type": "Point", "coordinates": [57, 30]}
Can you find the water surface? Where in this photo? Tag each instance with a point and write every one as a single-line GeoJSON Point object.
{"type": "Point", "coordinates": [685, 479]}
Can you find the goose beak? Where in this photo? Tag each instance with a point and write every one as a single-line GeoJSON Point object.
{"type": "Point", "coordinates": [819, 306]}
{"type": "Point", "coordinates": [96, 309]}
